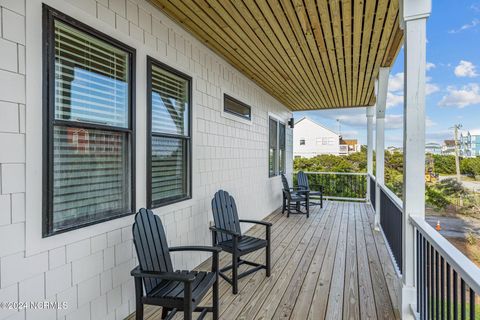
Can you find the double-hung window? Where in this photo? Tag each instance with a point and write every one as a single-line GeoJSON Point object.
{"type": "Point", "coordinates": [276, 147]}
{"type": "Point", "coordinates": [89, 125]}
{"type": "Point", "coordinates": [169, 135]}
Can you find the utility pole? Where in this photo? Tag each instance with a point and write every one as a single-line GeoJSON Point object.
{"type": "Point", "coordinates": [457, 152]}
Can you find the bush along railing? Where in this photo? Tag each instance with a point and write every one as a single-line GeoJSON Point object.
{"type": "Point", "coordinates": [447, 282]}
{"type": "Point", "coordinates": [391, 220]}
{"type": "Point", "coordinates": [339, 185]}
{"type": "Point", "coordinates": [373, 193]}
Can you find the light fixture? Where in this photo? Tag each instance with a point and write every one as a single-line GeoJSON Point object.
{"type": "Point", "coordinates": [291, 123]}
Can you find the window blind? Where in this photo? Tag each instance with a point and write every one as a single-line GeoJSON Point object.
{"type": "Point", "coordinates": [170, 140]}
{"type": "Point", "coordinates": [89, 157]}
{"type": "Point", "coordinates": [272, 155]}
{"type": "Point", "coordinates": [90, 79]}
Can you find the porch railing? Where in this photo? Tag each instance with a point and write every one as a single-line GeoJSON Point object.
{"type": "Point", "coordinates": [340, 185]}
{"type": "Point", "coordinates": [373, 195]}
{"type": "Point", "coordinates": [447, 282]}
{"type": "Point", "coordinates": [391, 221]}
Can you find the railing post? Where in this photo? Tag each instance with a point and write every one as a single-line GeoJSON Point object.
{"type": "Point", "coordinates": [414, 14]}
{"type": "Point", "coordinates": [370, 113]}
{"type": "Point", "coordinates": [382, 87]}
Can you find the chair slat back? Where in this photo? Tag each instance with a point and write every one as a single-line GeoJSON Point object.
{"type": "Point", "coordinates": [286, 187]}
{"type": "Point", "coordinates": [302, 180]}
{"type": "Point", "coordinates": [225, 214]}
{"type": "Point", "coordinates": [151, 246]}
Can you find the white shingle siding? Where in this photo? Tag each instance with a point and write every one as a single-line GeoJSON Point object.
{"type": "Point", "coordinates": [90, 269]}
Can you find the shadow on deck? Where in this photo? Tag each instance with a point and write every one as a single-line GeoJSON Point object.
{"type": "Point", "coordinates": [330, 266]}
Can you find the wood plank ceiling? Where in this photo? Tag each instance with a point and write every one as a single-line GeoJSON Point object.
{"type": "Point", "coordinates": [309, 54]}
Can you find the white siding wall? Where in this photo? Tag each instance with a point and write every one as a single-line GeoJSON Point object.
{"type": "Point", "coordinates": [313, 134]}
{"type": "Point", "coordinates": [89, 268]}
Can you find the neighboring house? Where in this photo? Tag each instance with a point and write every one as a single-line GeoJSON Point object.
{"type": "Point", "coordinates": [433, 148]}
{"type": "Point", "coordinates": [393, 149]}
{"type": "Point", "coordinates": [348, 146]}
{"type": "Point", "coordinates": [448, 147]}
{"type": "Point", "coordinates": [311, 139]}
{"type": "Point", "coordinates": [469, 145]}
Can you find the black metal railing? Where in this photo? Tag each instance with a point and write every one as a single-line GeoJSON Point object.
{"type": "Point", "coordinates": [373, 193]}
{"type": "Point", "coordinates": [391, 220]}
{"type": "Point", "coordinates": [339, 185]}
{"type": "Point", "coordinates": [447, 282]}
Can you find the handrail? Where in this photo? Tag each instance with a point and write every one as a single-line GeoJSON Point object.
{"type": "Point", "coordinates": [338, 173]}
{"type": "Point", "coordinates": [467, 270]}
{"type": "Point", "coordinates": [389, 193]}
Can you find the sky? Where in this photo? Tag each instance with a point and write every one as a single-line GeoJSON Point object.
{"type": "Point", "coordinates": [453, 81]}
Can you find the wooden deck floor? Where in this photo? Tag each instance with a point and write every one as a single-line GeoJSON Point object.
{"type": "Point", "coordinates": [330, 266]}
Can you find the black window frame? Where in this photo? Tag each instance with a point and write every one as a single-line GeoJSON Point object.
{"type": "Point", "coordinates": [188, 139]}
{"type": "Point", "coordinates": [241, 116]}
{"type": "Point", "coordinates": [282, 160]}
{"type": "Point", "coordinates": [48, 92]}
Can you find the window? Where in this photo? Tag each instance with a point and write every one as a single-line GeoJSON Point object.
{"type": "Point", "coordinates": [281, 148]}
{"type": "Point", "coordinates": [89, 127]}
{"type": "Point", "coordinates": [302, 142]}
{"type": "Point", "coordinates": [276, 153]}
{"type": "Point", "coordinates": [235, 107]}
{"type": "Point", "coordinates": [169, 145]}
{"type": "Point", "coordinates": [273, 147]}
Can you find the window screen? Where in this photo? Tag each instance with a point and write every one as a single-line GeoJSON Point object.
{"type": "Point", "coordinates": [170, 144]}
{"type": "Point", "coordinates": [89, 135]}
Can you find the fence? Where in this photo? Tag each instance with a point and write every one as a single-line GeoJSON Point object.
{"type": "Point", "coordinates": [339, 185]}
{"type": "Point", "coordinates": [447, 282]}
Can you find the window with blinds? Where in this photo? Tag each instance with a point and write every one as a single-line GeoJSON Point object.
{"type": "Point", "coordinates": [169, 146]}
{"type": "Point", "coordinates": [273, 147]}
{"type": "Point", "coordinates": [281, 147]}
{"type": "Point", "coordinates": [89, 127]}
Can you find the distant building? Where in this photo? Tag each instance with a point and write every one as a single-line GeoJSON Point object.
{"type": "Point", "coordinates": [448, 147]}
{"type": "Point", "coordinates": [348, 146]}
{"type": "Point", "coordinates": [433, 148]}
{"type": "Point", "coordinates": [311, 139]}
{"type": "Point", "coordinates": [469, 145]}
{"type": "Point", "coordinates": [393, 149]}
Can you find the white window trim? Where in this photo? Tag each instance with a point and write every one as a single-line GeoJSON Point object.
{"type": "Point", "coordinates": [279, 120]}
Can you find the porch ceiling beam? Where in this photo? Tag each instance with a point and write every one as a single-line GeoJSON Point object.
{"type": "Point", "coordinates": [310, 55]}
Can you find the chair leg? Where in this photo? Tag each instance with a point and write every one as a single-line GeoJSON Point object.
{"type": "Point", "coordinates": [283, 203]}
{"type": "Point", "coordinates": [321, 200]}
{"type": "Point", "coordinates": [164, 312]}
{"type": "Point", "coordinates": [215, 304]}
{"type": "Point", "coordinates": [267, 253]}
{"type": "Point", "coordinates": [234, 272]}
{"type": "Point", "coordinates": [138, 299]}
{"type": "Point", "coordinates": [288, 209]}
{"type": "Point", "coordinates": [187, 302]}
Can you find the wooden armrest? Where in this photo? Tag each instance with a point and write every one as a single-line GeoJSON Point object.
{"type": "Point", "coordinates": [196, 248]}
{"type": "Point", "coordinates": [229, 232]}
{"type": "Point", "coordinates": [173, 276]}
{"type": "Point", "coordinates": [264, 223]}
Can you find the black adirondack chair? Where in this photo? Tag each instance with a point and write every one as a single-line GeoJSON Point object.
{"type": "Point", "coordinates": [172, 290]}
{"type": "Point", "coordinates": [302, 182]}
{"type": "Point", "coordinates": [294, 199]}
{"type": "Point", "coordinates": [226, 233]}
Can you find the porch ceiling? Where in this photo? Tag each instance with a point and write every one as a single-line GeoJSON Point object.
{"type": "Point", "coordinates": [308, 54]}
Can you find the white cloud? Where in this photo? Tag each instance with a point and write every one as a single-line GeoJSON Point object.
{"type": "Point", "coordinates": [394, 99]}
{"type": "Point", "coordinates": [466, 26]}
{"type": "Point", "coordinates": [461, 97]}
{"type": "Point", "coordinates": [430, 66]}
{"type": "Point", "coordinates": [466, 69]}
{"type": "Point", "coordinates": [395, 82]}
{"type": "Point", "coordinates": [395, 88]}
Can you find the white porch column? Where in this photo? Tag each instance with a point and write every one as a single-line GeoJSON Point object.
{"type": "Point", "coordinates": [382, 88]}
{"type": "Point", "coordinates": [414, 14]}
{"type": "Point", "coordinates": [370, 113]}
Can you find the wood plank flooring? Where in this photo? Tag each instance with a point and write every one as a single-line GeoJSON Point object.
{"type": "Point", "coordinates": [330, 266]}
